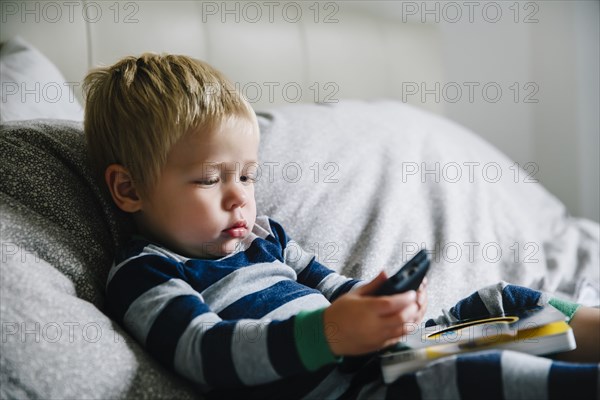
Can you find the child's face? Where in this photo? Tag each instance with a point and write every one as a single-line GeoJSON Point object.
{"type": "Point", "coordinates": [203, 203]}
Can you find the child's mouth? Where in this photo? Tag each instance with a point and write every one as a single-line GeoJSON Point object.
{"type": "Point", "coordinates": [237, 230]}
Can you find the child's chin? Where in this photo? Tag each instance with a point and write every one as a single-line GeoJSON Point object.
{"type": "Point", "coordinates": [216, 250]}
{"type": "Point", "coordinates": [231, 247]}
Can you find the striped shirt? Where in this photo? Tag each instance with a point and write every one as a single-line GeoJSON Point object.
{"type": "Point", "coordinates": [252, 318]}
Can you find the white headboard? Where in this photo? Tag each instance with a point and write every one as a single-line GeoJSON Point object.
{"type": "Point", "coordinates": [276, 52]}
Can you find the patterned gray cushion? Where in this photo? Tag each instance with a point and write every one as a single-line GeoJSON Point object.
{"type": "Point", "coordinates": [58, 234]}
{"type": "Point", "coordinates": [45, 174]}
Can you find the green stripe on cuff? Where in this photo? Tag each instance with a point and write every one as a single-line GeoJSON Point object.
{"type": "Point", "coordinates": [311, 342]}
{"type": "Point", "coordinates": [566, 307]}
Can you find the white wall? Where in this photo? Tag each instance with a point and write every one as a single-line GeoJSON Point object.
{"type": "Point", "coordinates": [587, 35]}
{"type": "Point", "coordinates": [550, 50]}
{"type": "Point", "coordinates": [566, 129]}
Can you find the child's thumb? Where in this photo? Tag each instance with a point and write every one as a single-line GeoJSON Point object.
{"type": "Point", "coordinates": [373, 285]}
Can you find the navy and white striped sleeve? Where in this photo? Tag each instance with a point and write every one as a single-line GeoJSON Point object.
{"type": "Point", "coordinates": [310, 272]}
{"type": "Point", "coordinates": [150, 296]}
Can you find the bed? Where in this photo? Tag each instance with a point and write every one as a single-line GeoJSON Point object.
{"type": "Point", "coordinates": [355, 174]}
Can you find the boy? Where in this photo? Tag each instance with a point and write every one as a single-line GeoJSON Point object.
{"type": "Point", "coordinates": [216, 293]}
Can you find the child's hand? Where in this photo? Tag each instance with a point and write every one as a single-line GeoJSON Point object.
{"type": "Point", "coordinates": [357, 323]}
{"type": "Point", "coordinates": [422, 299]}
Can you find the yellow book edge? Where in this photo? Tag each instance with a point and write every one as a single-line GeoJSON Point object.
{"type": "Point", "coordinates": [530, 335]}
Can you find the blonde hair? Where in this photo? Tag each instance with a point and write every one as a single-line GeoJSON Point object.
{"type": "Point", "coordinates": [138, 108]}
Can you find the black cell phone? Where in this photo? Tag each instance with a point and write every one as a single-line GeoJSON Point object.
{"type": "Point", "coordinates": [408, 278]}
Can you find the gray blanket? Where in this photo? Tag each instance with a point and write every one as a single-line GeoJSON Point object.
{"type": "Point", "coordinates": [381, 179]}
{"type": "Point", "coordinates": [357, 183]}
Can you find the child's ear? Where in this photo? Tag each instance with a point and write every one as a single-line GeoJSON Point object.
{"type": "Point", "coordinates": [122, 188]}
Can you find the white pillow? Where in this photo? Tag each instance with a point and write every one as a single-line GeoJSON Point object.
{"type": "Point", "coordinates": [363, 185]}
{"type": "Point", "coordinates": [32, 86]}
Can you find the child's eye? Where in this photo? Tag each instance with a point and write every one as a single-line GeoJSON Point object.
{"type": "Point", "coordinates": [208, 181]}
{"type": "Point", "coordinates": [247, 178]}
{"type": "Point", "coordinates": [250, 173]}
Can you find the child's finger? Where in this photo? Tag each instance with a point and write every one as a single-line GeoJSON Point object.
{"type": "Point", "coordinates": [373, 285]}
{"type": "Point", "coordinates": [408, 314]}
{"type": "Point", "coordinates": [421, 298]}
{"type": "Point", "coordinates": [392, 304]}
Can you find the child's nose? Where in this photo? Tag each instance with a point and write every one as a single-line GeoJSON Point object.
{"type": "Point", "coordinates": [235, 196]}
